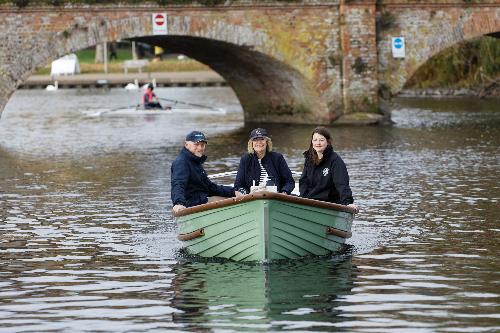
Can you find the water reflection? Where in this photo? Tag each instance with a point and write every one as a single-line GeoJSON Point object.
{"type": "Point", "coordinates": [303, 294]}
{"type": "Point", "coordinates": [87, 241]}
{"type": "Point", "coordinates": [59, 124]}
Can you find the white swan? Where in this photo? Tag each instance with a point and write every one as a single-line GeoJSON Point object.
{"type": "Point", "coordinates": [52, 87]}
{"type": "Point", "coordinates": [133, 86]}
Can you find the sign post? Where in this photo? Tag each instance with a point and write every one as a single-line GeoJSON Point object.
{"type": "Point", "coordinates": [398, 47]}
{"type": "Point", "coordinates": [160, 24]}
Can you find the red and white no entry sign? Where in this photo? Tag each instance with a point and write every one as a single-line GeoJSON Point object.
{"type": "Point", "coordinates": [159, 19]}
{"type": "Point", "coordinates": [160, 23]}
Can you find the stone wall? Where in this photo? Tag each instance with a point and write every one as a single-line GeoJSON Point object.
{"type": "Point", "coordinates": [359, 61]}
{"type": "Point", "coordinates": [300, 62]}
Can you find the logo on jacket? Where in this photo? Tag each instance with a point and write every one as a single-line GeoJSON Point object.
{"type": "Point", "coordinates": [325, 172]}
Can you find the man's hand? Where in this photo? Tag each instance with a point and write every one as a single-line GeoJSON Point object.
{"type": "Point", "coordinates": [238, 194]}
{"type": "Point", "coordinates": [178, 208]}
{"type": "Point", "coordinates": [356, 209]}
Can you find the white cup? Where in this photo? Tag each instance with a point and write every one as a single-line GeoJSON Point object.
{"type": "Point", "coordinates": [257, 188]}
{"type": "Point", "coordinates": [273, 189]}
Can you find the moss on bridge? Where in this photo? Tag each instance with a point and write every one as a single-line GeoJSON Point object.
{"type": "Point", "coordinates": [25, 3]}
{"type": "Point", "coordinates": [211, 3]}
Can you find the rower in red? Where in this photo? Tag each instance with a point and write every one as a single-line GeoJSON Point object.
{"type": "Point", "coordinates": [149, 99]}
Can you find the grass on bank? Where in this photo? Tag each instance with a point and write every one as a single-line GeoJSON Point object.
{"type": "Point", "coordinates": [469, 64]}
{"type": "Point", "coordinates": [170, 65]}
{"type": "Point", "coordinates": [86, 59]}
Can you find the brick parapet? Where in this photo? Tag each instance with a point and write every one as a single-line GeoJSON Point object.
{"type": "Point", "coordinates": [437, 3]}
{"type": "Point", "coordinates": [359, 62]}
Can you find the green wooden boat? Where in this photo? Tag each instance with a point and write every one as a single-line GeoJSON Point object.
{"type": "Point", "coordinates": [265, 226]}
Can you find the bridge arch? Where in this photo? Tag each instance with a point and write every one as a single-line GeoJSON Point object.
{"type": "Point", "coordinates": [268, 89]}
{"type": "Point", "coordinates": [439, 29]}
{"type": "Point", "coordinates": [442, 66]}
{"type": "Point", "coordinates": [268, 86]}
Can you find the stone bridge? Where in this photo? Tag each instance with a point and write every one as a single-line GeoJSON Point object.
{"type": "Point", "coordinates": [308, 61]}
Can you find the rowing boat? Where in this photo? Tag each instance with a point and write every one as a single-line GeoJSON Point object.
{"type": "Point", "coordinates": [138, 111]}
{"type": "Point", "coordinates": [264, 226]}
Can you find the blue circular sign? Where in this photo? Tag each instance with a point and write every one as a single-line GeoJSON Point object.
{"type": "Point", "coordinates": [398, 43]}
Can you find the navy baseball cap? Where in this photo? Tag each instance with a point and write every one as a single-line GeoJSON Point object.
{"type": "Point", "coordinates": [258, 133]}
{"type": "Point", "coordinates": [196, 136]}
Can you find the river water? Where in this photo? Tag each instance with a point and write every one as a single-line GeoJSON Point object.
{"type": "Point", "coordinates": [88, 244]}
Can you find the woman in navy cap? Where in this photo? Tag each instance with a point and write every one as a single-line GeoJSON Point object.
{"type": "Point", "coordinates": [261, 166]}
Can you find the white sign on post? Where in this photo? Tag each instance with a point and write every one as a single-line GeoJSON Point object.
{"type": "Point", "coordinates": [398, 47]}
{"type": "Point", "coordinates": [160, 24]}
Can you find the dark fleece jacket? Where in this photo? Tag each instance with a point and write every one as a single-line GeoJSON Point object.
{"type": "Point", "coordinates": [327, 181]}
{"type": "Point", "coordinates": [190, 185]}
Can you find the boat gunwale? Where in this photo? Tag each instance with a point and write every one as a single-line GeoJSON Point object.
{"type": "Point", "coordinates": [264, 195]}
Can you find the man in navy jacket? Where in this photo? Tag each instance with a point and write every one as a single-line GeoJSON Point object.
{"type": "Point", "coordinates": [190, 185]}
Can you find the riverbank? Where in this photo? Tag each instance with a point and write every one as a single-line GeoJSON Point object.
{"type": "Point", "coordinates": [211, 79]}
{"type": "Point", "coordinates": [120, 80]}
{"type": "Point", "coordinates": [491, 90]}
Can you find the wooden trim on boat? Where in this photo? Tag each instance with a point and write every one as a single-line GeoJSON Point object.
{"type": "Point", "coordinates": [264, 195]}
{"type": "Point", "coordinates": [191, 235]}
{"type": "Point", "coordinates": [339, 233]}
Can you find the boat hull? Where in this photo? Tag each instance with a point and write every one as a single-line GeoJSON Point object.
{"type": "Point", "coordinates": [146, 112]}
{"type": "Point", "coordinates": [265, 227]}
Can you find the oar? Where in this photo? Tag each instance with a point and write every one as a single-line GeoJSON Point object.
{"type": "Point", "coordinates": [190, 104]}
{"type": "Point", "coordinates": [223, 174]}
{"type": "Point", "coordinates": [233, 173]}
{"type": "Point", "coordinates": [97, 114]}
{"type": "Point", "coordinates": [126, 107]}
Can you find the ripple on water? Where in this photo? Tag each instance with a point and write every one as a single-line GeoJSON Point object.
{"type": "Point", "coordinates": [87, 241]}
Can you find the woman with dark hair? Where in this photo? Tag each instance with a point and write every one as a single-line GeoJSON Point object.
{"type": "Point", "coordinates": [325, 175]}
{"type": "Point", "coordinates": [262, 166]}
